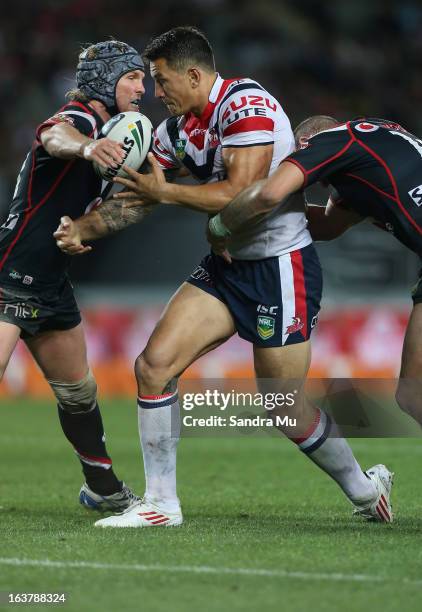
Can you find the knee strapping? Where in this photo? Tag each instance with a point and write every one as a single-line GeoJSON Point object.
{"type": "Point", "coordinates": [76, 397]}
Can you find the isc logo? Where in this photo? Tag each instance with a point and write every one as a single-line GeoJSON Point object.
{"type": "Point", "coordinates": [271, 310]}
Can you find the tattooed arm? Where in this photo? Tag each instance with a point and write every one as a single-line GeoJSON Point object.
{"type": "Point", "coordinates": [107, 219]}
{"type": "Point", "coordinates": [256, 201]}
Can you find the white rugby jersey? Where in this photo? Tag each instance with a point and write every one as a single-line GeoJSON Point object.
{"type": "Point", "coordinates": [239, 113]}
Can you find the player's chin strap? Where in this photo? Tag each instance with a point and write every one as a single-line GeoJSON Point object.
{"type": "Point", "coordinates": [113, 110]}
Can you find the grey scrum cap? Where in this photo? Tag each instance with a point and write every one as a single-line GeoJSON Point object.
{"type": "Point", "coordinates": [100, 67]}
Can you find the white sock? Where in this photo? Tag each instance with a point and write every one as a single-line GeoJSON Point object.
{"type": "Point", "coordinates": [159, 432]}
{"type": "Point", "coordinates": [334, 456]}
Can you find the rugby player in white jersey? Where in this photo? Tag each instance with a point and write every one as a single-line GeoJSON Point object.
{"type": "Point", "coordinates": [227, 134]}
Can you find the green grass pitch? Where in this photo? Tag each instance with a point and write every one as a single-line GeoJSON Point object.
{"type": "Point", "coordinates": [264, 529]}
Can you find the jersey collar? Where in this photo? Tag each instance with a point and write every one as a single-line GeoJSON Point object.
{"type": "Point", "coordinates": [213, 98]}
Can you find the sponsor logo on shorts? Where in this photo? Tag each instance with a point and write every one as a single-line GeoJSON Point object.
{"type": "Point", "coordinates": [416, 195]}
{"type": "Point", "coordinates": [27, 280]}
{"type": "Point", "coordinates": [201, 274]}
{"type": "Point", "coordinates": [265, 327]}
{"type": "Point", "coordinates": [20, 310]}
{"type": "Point", "coordinates": [180, 148]}
{"type": "Point", "coordinates": [271, 310]}
{"type": "Point", "coordinates": [15, 275]}
{"type": "Point", "coordinates": [296, 325]}
{"type": "Point", "coordinates": [314, 321]}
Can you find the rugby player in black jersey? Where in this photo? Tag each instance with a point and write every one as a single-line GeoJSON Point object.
{"type": "Point", "coordinates": [36, 298]}
{"type": "Point", "coordinates": [375, 168]}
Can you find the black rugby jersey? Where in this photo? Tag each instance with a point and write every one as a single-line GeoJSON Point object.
{"type": "Point", "coordinates": [46, 189]}
{"type": "Point", "coordinates": [376, 166]}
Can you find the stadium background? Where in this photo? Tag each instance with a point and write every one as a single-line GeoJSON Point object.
{"type": "Point", "coordinates": [341, 58]}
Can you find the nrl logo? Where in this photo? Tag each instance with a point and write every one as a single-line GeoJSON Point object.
{"type": "Point", "coordinates": [265, 327]}
{"type": "Point", "coordinates": [180, 148]}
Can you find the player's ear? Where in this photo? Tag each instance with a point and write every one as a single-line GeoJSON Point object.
{"type": "Point", "coordinates": [303, 142]}
{"type": "Point", "coordinates": [194, 76]}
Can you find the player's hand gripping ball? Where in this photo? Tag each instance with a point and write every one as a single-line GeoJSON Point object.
{"type": "Point", "coordinates": [134, 131]}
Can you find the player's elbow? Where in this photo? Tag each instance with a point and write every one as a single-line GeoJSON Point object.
{"type": "Point", "coordinates": [47, 138]}
{"type": "Point", "coordinates": [51, 142]}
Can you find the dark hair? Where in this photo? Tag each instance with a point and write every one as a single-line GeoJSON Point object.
{"type": "Point", "coordinates": [181, 46]}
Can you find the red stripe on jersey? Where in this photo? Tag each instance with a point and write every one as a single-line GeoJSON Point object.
{"type": "Point", "coordinates": [333, 157]}
{"type": "Point", "coordinates": [164, 162]}
{"type": "Point", "coordinates": [195, 131]}
{"type": "Point", "coordinates": [208, 110]}
{"type": "Point", "coordinates": [362, 180]}
{"type": "Point", "coordinates": [301, 310]}
{"type": "Point", "coordinates": [250, 124]}
{"type": "Point", "coordinates": [83, 106]}
{"type": "Point", "coordinates": [50, 122]}
{"type": "Point", "coordinates": [393, 184]}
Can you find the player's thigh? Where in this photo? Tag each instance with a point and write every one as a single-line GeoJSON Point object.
{"type": "Point", "coordinates": [283, 362]}
{"type": "Point", "coordinates": [409, 388]}
{"type": "Point", "coordinates": [282, 371]}
{"type": "Point", "coordinates": [193, 323]}
{"type": "Point", "coordinates": [411, 365]}
{"type": "Point", "coordinates": [9, 336]}
{"type": "Point", "coordinates": [61, 354]}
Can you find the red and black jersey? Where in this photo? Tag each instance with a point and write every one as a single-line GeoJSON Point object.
{"type": "Point", "coordinates": [46, 189]}
{"type": "Point", "coordinates": [376, 167]}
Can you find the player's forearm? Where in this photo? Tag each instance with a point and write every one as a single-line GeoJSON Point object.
{"type": "Point", "coordinates": [64, 141]}
{"type": "Point", "coordinates": [247, 207]}
{"type": "Point", "coordinates": [256, 201]}
{"type": "Point", "coordinates": [210, 198]}
{"type": "Point", "coordinates": [109, 218]}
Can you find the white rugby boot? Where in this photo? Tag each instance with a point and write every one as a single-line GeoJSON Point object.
{"type": "Point", "coordinates": [380, 508]}
{"type": "Point", "coordinates": [117, 502]}
{"type": "Point", "coordinates": [143, 514]}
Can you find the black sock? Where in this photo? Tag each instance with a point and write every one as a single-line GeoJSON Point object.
{"type": "Point", "coordinates": [86, 433]}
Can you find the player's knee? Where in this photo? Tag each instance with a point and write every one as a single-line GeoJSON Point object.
{"type": "Point", "coordinates": [76, 397]}
{"type": "Point", "coordinates": [409, 398]}
{"type": "Point", "coordinates": [153, 366]}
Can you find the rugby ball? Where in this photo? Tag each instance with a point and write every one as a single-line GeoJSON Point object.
{"type": "Point", "coordinates": [134, 131]}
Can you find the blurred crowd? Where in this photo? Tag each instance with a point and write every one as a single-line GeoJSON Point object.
{"type": "Point", "coordinates": [345, 58]}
